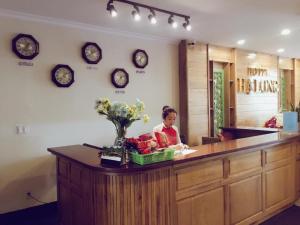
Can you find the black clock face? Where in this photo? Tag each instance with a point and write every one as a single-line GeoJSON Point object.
{"type": "Point", "coordinates": [91, 53]}
{"type": "Point", "coordinates": [25, 46]}
{"type": "Point", "coordinates": [140, 58]}
{"type": "Point", "coordinates": [62, 75]}
{"type": "Point", "coordinates": [119, 78]}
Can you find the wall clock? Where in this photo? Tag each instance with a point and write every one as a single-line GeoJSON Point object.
{"type": "Point", "coordinates": [91, 53]}
{"type": "Point", "coordinates": [119, 78]}
{"type": "Point", "coordinates": [62, 75]}
{"type": "Point", "coordinates": [25, 46]}
{"type": "Point", "coordinates": [140, 58]}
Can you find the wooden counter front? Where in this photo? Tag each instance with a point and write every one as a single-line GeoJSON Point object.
{"type": "Point", "coordinates": [241, 181]}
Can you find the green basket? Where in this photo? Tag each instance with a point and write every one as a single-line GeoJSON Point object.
{"type": "Point", "coordinates": [143, 159]}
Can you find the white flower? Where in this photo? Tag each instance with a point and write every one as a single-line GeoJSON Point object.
{"type": "Point", "coordinates": [121, 113]}
{"type": "Point", "coordinates": [140, 105]}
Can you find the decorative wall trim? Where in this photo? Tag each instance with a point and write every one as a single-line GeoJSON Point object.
{"type": "Point", "coordinates": [82, 26]}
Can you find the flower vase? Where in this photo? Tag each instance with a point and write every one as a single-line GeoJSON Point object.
{"type": "Point", "coordinates": [120, 143]}
{"type": "Point", "coordinates": [125, 157]}
{"type": "Point", "coordinates": [120, 139]}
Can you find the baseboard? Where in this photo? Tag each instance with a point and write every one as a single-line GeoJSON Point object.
{"type": "Point", "coordinates": [40, 211]}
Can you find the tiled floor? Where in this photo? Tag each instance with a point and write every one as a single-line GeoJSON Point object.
{"type": "Point", "coordinates": [290, 216]}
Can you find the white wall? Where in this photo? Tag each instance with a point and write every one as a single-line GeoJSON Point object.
{"type": "Point", "coordinates": [57, 116]}
{"type": "Point", "coordinates": [255, 109]}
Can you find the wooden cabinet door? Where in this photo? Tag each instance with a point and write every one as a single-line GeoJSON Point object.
{"type": "Point", "coordinates": [278, 184]}
{"type": "Point", "coordinates": [245, 199]}
{"type": "Point", "coordinates": [203, 209]}
{"type": "Point", "coordinates": [298, 178]}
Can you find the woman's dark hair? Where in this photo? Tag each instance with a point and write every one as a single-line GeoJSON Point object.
{"type": "Point", "coordinates": [166, 110]}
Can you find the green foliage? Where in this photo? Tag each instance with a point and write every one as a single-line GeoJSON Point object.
{"type": "Point", "coordinates": [296, 109]}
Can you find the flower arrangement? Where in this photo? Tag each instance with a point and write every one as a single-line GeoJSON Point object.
{"type": "Point", "coordinates": [144, 144]}
{"type": "Point", "coordinates": [121, 115]}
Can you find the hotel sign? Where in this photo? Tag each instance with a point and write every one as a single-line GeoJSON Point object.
{"type": "Point", "coordinates": [257, 82]}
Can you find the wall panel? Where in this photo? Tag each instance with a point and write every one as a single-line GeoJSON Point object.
{"type": "Point", "coordinates": [255, 108]}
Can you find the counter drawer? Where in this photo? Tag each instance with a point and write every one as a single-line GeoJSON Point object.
{"type": "Point", "coordinates": [203, 173]}
{"type": "Point", "coordinates": [278, 153]}
{"type": "Point", "coordinates": [244, 163]}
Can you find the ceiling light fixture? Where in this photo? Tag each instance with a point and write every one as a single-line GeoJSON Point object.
{"type": "Point", "coordinates": [173, 23]}
{"type": "Point", "coordinates": [136, 13]}
{"type": "Point", "coordinates": [280, 50]}
{"type": "Point", "coordinates": [241, 42]}
{"type": "Point", "coordinates": [152, 17]}
{"type": "Point", "coordinates": [111, 9]}
{"type": "Point", "coordinates": [187, 24]}
{"type": "Point", "coordinates": [285, 32]}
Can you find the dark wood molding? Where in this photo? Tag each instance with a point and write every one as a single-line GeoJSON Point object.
{"type": "Point", "coordinates": [183, 98]}
{"type": "Point", "coordinates": [88, 156]}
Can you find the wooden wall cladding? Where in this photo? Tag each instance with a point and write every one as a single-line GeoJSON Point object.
{"type": "Point", "coordinates": [254, 109]}
{"type": "Point", "coordinates": [220, 54]}
{"type": "Point", "coordinates": [193, 91]}
{"type": "Point", "coordinates": [286, 63]}
{"type": "Point", "coordinates": [136, 199]}
{"type": "Point", "coordinates": [249, 107]}
{"type": "Point", "coordinates": [74, 195]}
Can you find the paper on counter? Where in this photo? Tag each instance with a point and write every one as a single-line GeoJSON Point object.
{"type": "Point", "coordinates": [184, 151]}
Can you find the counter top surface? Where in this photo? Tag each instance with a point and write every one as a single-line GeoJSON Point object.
{"type": "Point", "coordinates": [88, 156]}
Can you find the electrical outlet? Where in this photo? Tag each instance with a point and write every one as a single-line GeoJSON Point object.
{"type": "Point", "coordinates": [22, 129]}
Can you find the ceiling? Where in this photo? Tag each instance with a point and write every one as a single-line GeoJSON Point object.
{"type": "Point", "coordinates": [221, 22]}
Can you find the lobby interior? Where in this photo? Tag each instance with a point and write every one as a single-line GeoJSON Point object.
{"type": "Point", "coordinates": [237, 65]}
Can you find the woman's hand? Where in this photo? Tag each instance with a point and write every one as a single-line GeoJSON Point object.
{"type": "Point", "coordinates": [186, 146]}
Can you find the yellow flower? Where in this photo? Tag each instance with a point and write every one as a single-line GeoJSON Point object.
{"type": "Point", "coordinates": [133, 112]}
{"type": "Point", "coordinates": [146, 118]}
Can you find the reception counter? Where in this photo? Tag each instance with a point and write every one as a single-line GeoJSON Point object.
{"type": "Point", "coordinates": [242, 181]}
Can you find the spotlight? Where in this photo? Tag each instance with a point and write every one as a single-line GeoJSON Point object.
{"type": "Point", "coordinates": [285, 32]}
{"type": "Point", "coordinates": [172, 22]}
{"type": "Point", "coordinates": [111, 9]}
{"type": "Point", "coordinates": [241, 42]}
{"type": "Point", "coordinates": [136, 14]}
{"type": "Point", "coordinates": [152, 17]}
{"type": "Point", "coordinates": [187, 25]}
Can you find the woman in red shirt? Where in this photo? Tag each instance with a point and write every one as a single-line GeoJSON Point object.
{"type": "Point", "coordinates": [169, 129]}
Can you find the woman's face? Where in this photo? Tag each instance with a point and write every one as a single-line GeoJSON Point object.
{"type": "Point", "coordinates": [170, 119]}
